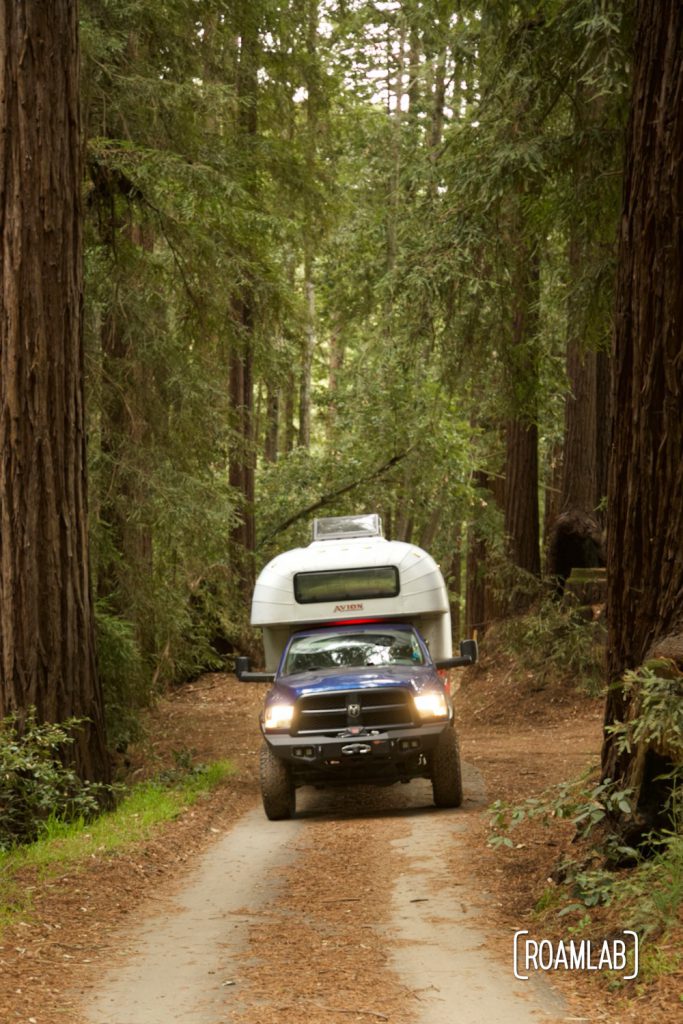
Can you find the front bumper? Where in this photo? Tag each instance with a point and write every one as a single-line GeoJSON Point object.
{"type": "Point", "coordinates": [359, 756]}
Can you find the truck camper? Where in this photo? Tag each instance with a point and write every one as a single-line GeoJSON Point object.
{"type": "Point", "coordinates": [355, 628]}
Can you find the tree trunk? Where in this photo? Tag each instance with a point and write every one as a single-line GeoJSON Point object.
{"type": "Point", "coordinates": [311, 148]}
{"type": "Point", "coordinates": [272, 433]}
{"type": "Point", "coordinates": [310, 343]}
{"type": "Point", "coordinates": [393, 205]}
{"type": "Point", "coordinates": [123, 430]}
{"type": "Point", "coordinates": [602, 420]}
{"type": "Point", "coordinates": [241, 371]}
{"type": "Point", "coordinates": [580, 462]}
{"type": "Point", "coordinates": [521, 434]}
{"type": "Point", "coordinates": [289, 432]}
{"type": "Point", "coordinates": [475, 585]}
{"type": "Point", "coordinates": [46, 624]}
{"type": "Point", "coordinates": [579, 477]}
{"type": "Point", "coordinates": [241, 468]}
{"type": "Point", "coordinates": [521, 495]}
{"type": "Point", "coordinates": [335, 366]}
{"type": "Point", "coordinates": [553, 491]}
{"type": "Point", "coordinates": [454, 582]}
{"type": "Point", "coordinates": [645, 554]}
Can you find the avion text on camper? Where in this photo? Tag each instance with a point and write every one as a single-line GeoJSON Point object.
{"type": "Point", "coordinates": [349, 607]}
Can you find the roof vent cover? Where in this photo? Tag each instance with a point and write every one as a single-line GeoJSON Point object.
{"type": "Point", "coordinates": [347, 527]}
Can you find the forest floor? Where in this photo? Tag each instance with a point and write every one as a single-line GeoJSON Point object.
{"type": "Point", "coordinates": [516, 740]}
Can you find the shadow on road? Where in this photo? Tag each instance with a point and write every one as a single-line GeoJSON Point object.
{"type": "Point", "coordinates": [411, 800]}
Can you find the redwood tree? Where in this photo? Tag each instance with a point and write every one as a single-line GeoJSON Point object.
{"type": "Point", "coordinates": [645, 488]}
{"type": "Point", "coordinates": [46, 624]}
{"type": "Point", "coordinates": [521, 431]}
{"type": "Point", "coordinates": [241, 369]}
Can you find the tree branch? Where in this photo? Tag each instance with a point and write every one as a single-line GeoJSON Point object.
{"type": "Point", "coordinates": [327, 498]}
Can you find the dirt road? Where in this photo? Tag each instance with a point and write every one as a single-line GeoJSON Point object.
{"type": "Point", "coordinates": [347, 913]}
{"type": "Point", "coordinates": [370, 906]}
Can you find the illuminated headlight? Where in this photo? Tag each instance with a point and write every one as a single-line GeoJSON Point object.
{"type": "Point", "coordinates": [278, 716]}
{"type": "Point", "coordinates": [431, 705]}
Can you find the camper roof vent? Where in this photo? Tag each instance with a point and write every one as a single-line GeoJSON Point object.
{"type": "Point", "coordinates": [346, 527]}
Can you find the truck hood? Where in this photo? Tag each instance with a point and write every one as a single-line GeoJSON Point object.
{"type": "Point", "coordinates": [410, 677]}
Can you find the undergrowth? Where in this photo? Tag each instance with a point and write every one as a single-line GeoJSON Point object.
{"type": "Point", "coordinates": [36, 781]}
{"type": "Point", "coordinates": [646, 896]}
{"type": "Point", "coordinates": [62, 843]}
{"type": "Point", "coordinates": [642, 886]}
{"type": "Point", "coordinates": [556, 641]}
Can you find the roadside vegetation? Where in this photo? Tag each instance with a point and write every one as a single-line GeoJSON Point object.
{"type": "Point", "coordinates": [50, 821]}
{"type": "Point", "coordinates": [617, 865]}
{"type": "Point", "coordinates": [557, 642]}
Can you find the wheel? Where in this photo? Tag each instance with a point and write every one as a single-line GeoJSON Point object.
{"type": "Point", "coordinates": [446, 774]}
{"type": "Point", "coordinates": [277, 788]}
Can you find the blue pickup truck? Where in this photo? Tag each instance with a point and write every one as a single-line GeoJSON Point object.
{"type": "Point", "coordinates": [358, 694]}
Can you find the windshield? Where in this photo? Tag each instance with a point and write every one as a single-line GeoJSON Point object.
{"type": "Point", "coordinates": [380, 646]}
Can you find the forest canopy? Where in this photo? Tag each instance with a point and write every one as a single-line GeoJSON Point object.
{"type": "Point", "coordinates": [331, 256]}
{"type": "Point", "coordinates": [343, 256]}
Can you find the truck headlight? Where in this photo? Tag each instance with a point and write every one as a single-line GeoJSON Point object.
{"type": "Point", "coordinates": [278, 716]}
{"type": "Point", "coordinates": [431, 705]}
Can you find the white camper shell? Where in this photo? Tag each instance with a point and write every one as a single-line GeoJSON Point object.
{"type": "Point", "coordinates": [350, 572]}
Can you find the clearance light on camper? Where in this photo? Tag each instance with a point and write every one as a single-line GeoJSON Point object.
{"type": "Point", "coordinates": [431, 705]}
{"type": "Point", "coordinates": [278, 716]}
{"type": "Point", "coordinates": [355, 622]}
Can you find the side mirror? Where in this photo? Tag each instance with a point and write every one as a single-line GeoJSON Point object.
{"type": "Point", "coordinates": [245, 675]}
{"type": "Point", "coordinates": [470, 649]}
{"type": "Point", "coordinates": [469, 652]}
{"type": "Point", "coordinates": [242, 665]}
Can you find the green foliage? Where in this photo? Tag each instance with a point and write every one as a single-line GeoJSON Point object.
{"type": "Point", "coordinates": [173, 234]}
{"type": "Point", "coordinates": [555, 642]}
{"type": "Point", "coordinates": [123, 676]}
{"type": "Point", "coordinates": [62, 843]}
{"type": "Point", "coordinates": [658, 690]}
{"type": "Point", "coordinates": [377, 188]}
{"type": "Point", "coordinates": [646, 896]}
{"type": "Point", "coordinates": [585, 805]}
{"type": "Point", "coordinates": [36, 783]}
{"type": "Point", "coordinates": [431, 476]}
{"type": "Point", "coordinates": [650, 893]}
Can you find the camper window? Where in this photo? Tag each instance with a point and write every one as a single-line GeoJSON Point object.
{"type": "Point", "coordinates": [346, 584]}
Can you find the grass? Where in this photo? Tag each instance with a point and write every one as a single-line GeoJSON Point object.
{"type": "Point", "coordinates": [64, 844]}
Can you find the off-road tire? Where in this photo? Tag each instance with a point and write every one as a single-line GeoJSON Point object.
{"type": "Point", "coordinates": [277, 788]}
{"type": "Point", "coordinates": [446, 773]}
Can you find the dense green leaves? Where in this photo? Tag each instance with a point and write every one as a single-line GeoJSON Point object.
{"type": "Point", "coordinates": [365, 212]}
{"type": "Point", "coordinates": [35, 784]}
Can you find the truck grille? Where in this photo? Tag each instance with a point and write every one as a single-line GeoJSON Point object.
{"type": "Point", "coordinates": [370, 709]}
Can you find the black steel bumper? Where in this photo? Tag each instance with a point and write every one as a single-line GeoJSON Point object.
{"type": "Point", "coordinates": [359, 757]}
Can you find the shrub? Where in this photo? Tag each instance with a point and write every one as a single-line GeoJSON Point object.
{"type": "Point", "coordinates": [557, 642]}
{"type": "Point", "coordinates": [125, 679]}
{"type": "Point", "coordinates": [35, 782]}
